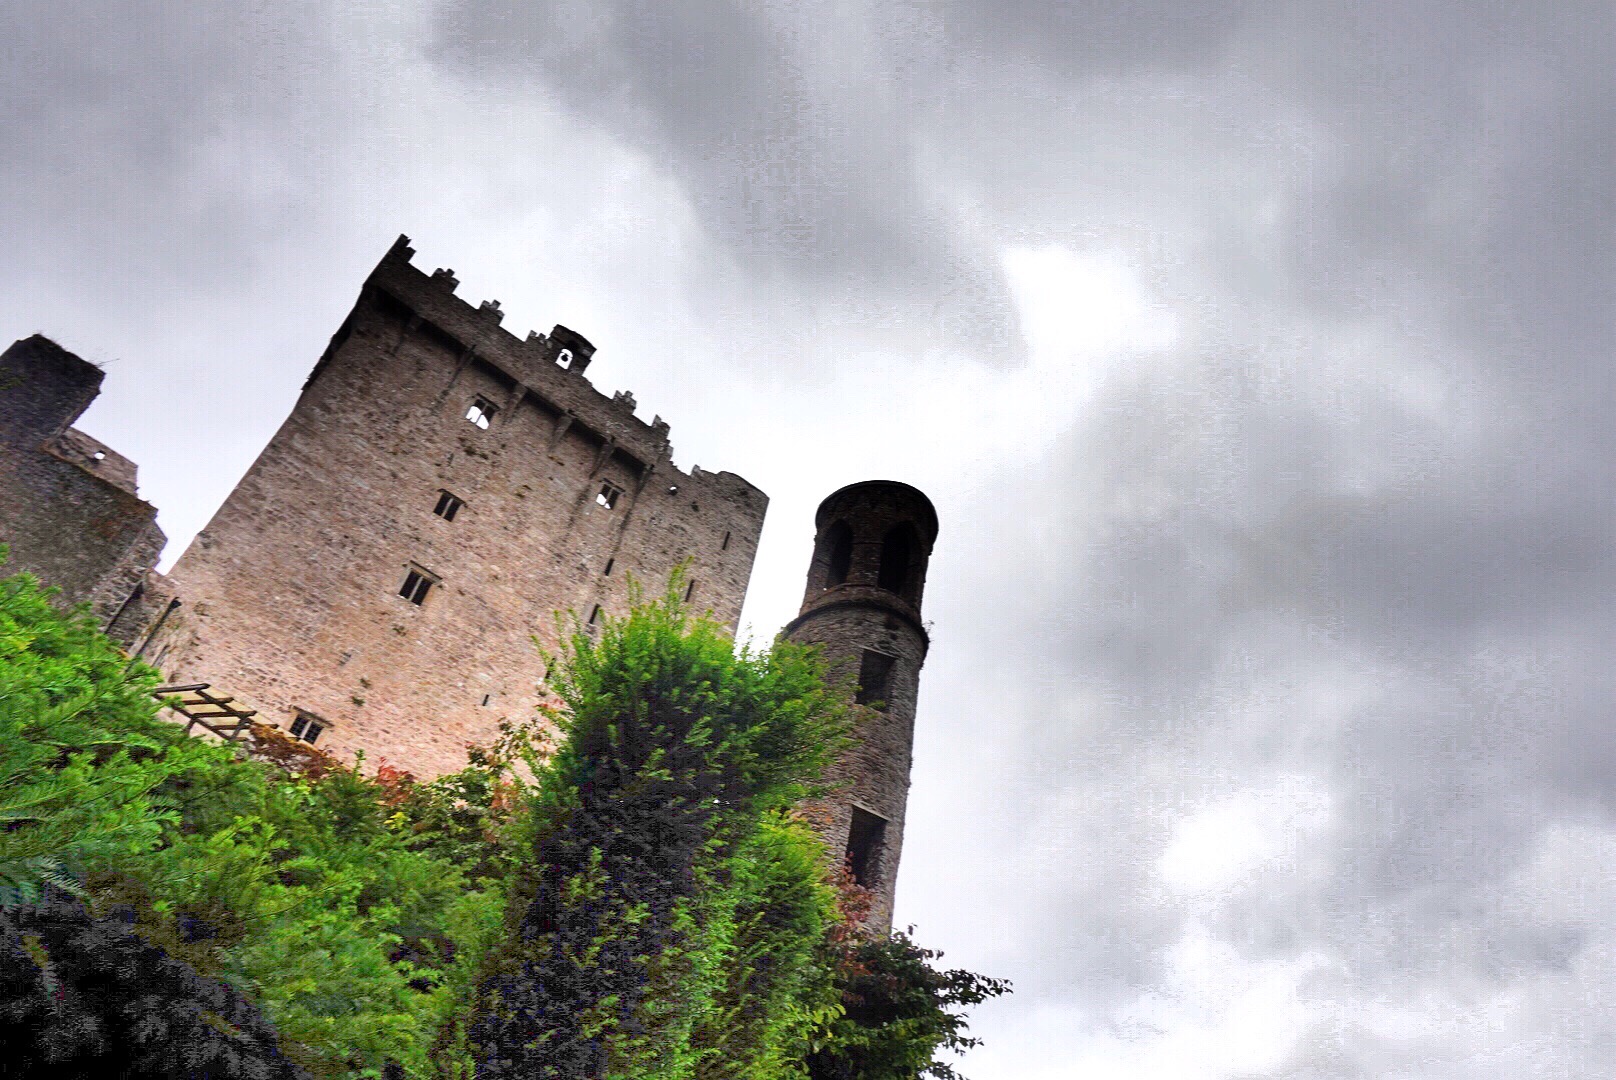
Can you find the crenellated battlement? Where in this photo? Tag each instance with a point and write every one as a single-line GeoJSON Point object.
{"type": "Point", "coordinates": [547, 369]}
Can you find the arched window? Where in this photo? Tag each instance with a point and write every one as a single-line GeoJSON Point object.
{"type": "Point", "coordinates": [840, 541]}
{"type": "Point", "coordinates": [896, 551]}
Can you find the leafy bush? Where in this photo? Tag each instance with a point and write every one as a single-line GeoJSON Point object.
{"type": "Point", "coordinates": [301, 891]}
{"type": "Point", "coordinates": [82, 996]}
{"type": "Point", "coordinates": [82, 759]}
{"type": "Point", "coordinates": [657, 850]}
{"type": "Point", "coordinates": [900, 1011]}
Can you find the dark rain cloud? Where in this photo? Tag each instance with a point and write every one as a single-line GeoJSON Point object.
{"type": "Point", "coordinates": [791, 134]}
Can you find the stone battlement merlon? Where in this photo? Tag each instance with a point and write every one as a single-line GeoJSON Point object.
{"type": "Point", "coordinates": [531, 364]}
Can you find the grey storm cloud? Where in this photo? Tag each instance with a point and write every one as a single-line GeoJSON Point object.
{"type": "Point", "coordinates": [790, 131]}
{"type": "Point", "coordinates": [161, 141]}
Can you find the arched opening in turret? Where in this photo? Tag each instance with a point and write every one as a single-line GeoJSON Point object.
{"type": "Point", "coordinates": [839, 539]}
{"type": "Point", "coordinates": [897, 554]}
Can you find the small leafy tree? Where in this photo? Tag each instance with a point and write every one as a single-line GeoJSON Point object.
{"type": "Point", "coordinates": [900, 1012]}
{"type": "Point", "coordinates": [83, 761]}
{"type": "Point", "coordinates": [657, 845]}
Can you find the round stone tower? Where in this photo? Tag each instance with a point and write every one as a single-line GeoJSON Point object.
{"type": "Point", "coordinates": [872, 541]}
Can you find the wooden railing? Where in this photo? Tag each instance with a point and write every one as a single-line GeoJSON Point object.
{"type": "Point", "coordinates": [218, 714]}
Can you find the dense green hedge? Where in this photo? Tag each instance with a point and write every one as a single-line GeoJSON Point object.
{"type": "Point", "coordinates": [635, 901]}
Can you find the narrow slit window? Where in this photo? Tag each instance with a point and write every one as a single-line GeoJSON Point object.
{"type": "Point", "coordinates": [864, 841]}
{"type": "Point", "coordinates": [448, 505]}
{"type": "Point", "coordinates": [481, 412]}
{"type": "Point", "coordinates": [725, 545]}
{"type": "Point", "coordinates": [609, 564]}
{"type": "Point", "coordinates": [690, 591]}
{"type": "Point", "coordinates": [875, 679]}
{"type": "Point", "coordinates": [609, 494]}
{"type": "Point", "coordinates": [840, 541]}
{"type": "Point", "coordinates": [307, 728]}
{"type": "Point", "coordinates": [595, 616]}
{"type": "Point", "coordinates": [417, 583]}
{"type": "Point", "coordinates": [897, 549]}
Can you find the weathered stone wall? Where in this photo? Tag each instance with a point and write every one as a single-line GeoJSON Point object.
{"type": "Point", "coordinates": [857, 614]}
{"type": "Point", "coordinates": [291, 593]}
{"type": "Point", "coordinates": [68, 505]}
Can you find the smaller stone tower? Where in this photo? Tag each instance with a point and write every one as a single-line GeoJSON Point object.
{"type": "Point", "coordinates": [871, 545]}
{"type": "Point", "coordinates": [69, 510]}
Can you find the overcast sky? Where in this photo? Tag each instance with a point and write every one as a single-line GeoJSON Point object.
{"type": "Point", "coordinates": [1257, 357]}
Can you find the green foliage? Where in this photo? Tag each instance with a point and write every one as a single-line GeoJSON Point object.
{"type": "Point", "coordinates": [652, 863]}
{"type": "Point", "coordinates": [900, 1011]}
{"type": "Point", "coordinates": [85, 996]}
{"type": "Point", "coordinates": [639, 903]}
{"type": "Point", "coordinates": [304, 892]}
{"type": "Point", "coordinates": [81, 757]}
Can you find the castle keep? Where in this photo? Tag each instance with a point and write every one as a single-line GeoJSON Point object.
{"type": "Point", "coordinates": [439, 491]}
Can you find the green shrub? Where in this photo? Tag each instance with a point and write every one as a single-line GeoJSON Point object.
{"type": "Point", "coordinates": [651, 859]}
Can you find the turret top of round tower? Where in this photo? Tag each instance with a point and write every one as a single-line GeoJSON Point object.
{"type": "Point", "coordinates": [894, 496]}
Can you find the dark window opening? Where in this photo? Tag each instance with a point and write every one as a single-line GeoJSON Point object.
{"type": "Point", "coordinates": [448, 506]}
{"type": "Point", "coordinates": [307, 728]}
{"type": "Point", "coordinates": [595, 616]}
{"type": "Point", "coordinates": [609, 494]}
{"type": "Point", "coordinates": [840, 539]}
{"type": "Point", "coordinates": [864, 837]}
{"type": "Point", "coordinates": [875, 679]}
{"type": "Point", "coordinates": [481, 412]}
{"type": "Point", "coordinates": [690, 590]}
{"type": "Point", "coordinates": [487, 698]}
{"type": "Point", "coordinates": [609, 564]}
{"type": "Point", "coordinates": [896, 549]}
{"type": "Point", "coordinates": [416, 585]}
{"type": "Point", "coordinates": [725, 545]}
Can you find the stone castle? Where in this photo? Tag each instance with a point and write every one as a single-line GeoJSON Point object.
{"type": "Point", "coordinates": [441, 489]}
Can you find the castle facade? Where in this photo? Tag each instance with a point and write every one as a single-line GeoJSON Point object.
{"type": "Point", "coordinates": [378, 579]}
{"type": "Point", "coordinates": [439, 492]}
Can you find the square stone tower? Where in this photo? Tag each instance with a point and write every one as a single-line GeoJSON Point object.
{"type": "Point", "coordinates": [441, 489]}
{"type": "Point", "coordinates": [69, 510]}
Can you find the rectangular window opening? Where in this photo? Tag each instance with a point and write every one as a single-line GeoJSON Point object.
{"type": "Point", "coordinates": [448, 505]}
{"type": "Point", "coordinates": [609, 494]}
{"type": "Point", "coordinates": [306, 727]}
{"type": "Point", "coordinates": [609, 564]}
{"type": "Point", "coordinates": [690, 590]}
{"type": "Point", "coordinates": [417, 583]}
{"type": "Point", "coordinates": [725, 545]}
{"type": "Point", "coordinates": [875, 679]}
{"type": "Point", "coordinates": [595, 616]}
{"type": "Point", "coordinates": [481, 412]}
{"type": "Point", "coordinates": [864, 839]}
